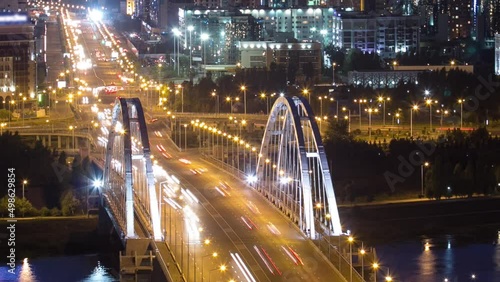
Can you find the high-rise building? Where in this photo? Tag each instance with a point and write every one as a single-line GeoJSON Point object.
{"type": "Point", "coordinates": [385, 35]}
{"type": "Point", "coordinates": [310, 24]}
{"type": "Point", "coordinates": [211, 36]}
{"type": "Point", "coordinates": [17, 56]}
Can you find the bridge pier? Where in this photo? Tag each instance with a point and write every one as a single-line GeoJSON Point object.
{"type": "Point", "coordinates": [136, 263]}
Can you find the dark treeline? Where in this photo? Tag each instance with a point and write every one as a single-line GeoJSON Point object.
{"type": "Point", "coordinates": [466, 163]}
{"type": "Point", "coordinates": [62, 186]}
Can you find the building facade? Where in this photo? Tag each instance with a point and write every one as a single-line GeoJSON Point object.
{"type": "Point", "coordinates": [385, 35]}
{"type": "Point", "coordinates": [17, 57]}
{"type": "Point", "coordinates": [211, 36]}
{"type": "Point", "coordinates": [312, 24]}
{"type": "Point", "coordinates": [303, 57]}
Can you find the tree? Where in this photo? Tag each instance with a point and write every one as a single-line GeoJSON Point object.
{"type": "Point", "coordinates": [69, 203]}
{"type": "Point", "coordinates": [338, 130]}
{"type": "Point", "coordinates": [24, 207]}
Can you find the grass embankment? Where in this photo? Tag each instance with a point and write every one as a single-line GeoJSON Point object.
{"type": "Point", "coordinates": [45, 236]}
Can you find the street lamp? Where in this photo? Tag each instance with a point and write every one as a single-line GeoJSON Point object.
{"type": "Point", "coordinates": [204, 37]}
{"type": "Point", "coordinates": [429, 103]}
{"type": "Point", "coordinates": [426, 164]}
{"type": "Point", "coordinates": [362, 252]}
{"type": "Point", "coordinates": [177, 33]}
{"type": "Point", "coordinates": [333, 72]}
{"type": "Point", "coordinates": [185, 136]}
{"type": "Point", "coordinates": [375, 267]}
{"type": "Point", "coordinates": [414, 108]}
{"type": "Point", "coordinates": [461, 102]}
{"type": "Point", "coordinates": [24, 99]}
{"type": "Point", "coordinates": [348, 118]}
{"type": "Point", "coordinates": [350, 240]}
{"type": "Point", "coordinates": [384, 99]}
{"type": "Point", "coordinates": [230, 100]}
{"type": "Point", "coordinates": [360, 101]}
{"type": "Point", "coordinates": [244, 89]}
{"type": "Point", "coordinates": [25, 182]}
{"type": "Point", "coordinates": [221, 268]}
{"type": "Point", "coordinates": [190, 28]}
{"type": "Point", "coordinates": [182, 97]}
{"type": "Point", "coordinates": [217, 107]}
{"type": "Point", "coordinates": [442, 112]}
{"type": "Point", "coordinates": [72, 129]}
{"type": "Point", "coordinates": [213, 255]}
{"type": "Point", "coordinates": [307, 93]}
{"type": "Point", "coordinates": [2, 125]}
{"type": "Point", "coordinates": [263, 95]}
{"type": "Point", "coordinates": [370, 110]}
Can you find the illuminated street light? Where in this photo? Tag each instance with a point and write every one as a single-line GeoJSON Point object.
{"type": "Point", "coordinates": [461, 102]}
{"type": "Point", "coordinates": [25, 182]}
{"type": "Point", "coordinates": [414, 108]}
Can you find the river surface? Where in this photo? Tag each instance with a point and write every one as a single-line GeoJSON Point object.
{"type": "Point", "coordinates": [422, 260]}
{"type": "Point", "coordinates": [439, 259]}
{"type": "Point", "coordinates": [83, 268]}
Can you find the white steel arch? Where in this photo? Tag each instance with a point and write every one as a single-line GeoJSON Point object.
{"type": "Point", "coordinates": [292, 169]}
{"type": "Point", "coordinates": [128, 171]}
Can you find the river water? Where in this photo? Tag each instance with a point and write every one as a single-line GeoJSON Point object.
{"type": "Point", "coordinates": [439, 259]}
{"type": "Point", "coordinates": [422, 260]}
{"type": "Point", "coordinates": [83, 268]}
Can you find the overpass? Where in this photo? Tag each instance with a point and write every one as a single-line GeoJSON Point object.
{"type": "Point", "coordinates": [290, 170]}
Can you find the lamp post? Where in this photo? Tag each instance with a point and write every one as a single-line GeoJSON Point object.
{"type": "Point", "coordinates": [213, 255]}
{"type": "Point", "coordinates": [24, 183]}
{"type": "Point", "coordinates": [461, 102]}
{"type": "Point", "coordinates": [185, 136]}
{"type": "Point", "coordinates": [370, 110]}
{"type": "Point", "coordinates": [177, 33]}
{"type": "Point", "coordinates": [414, 108]}
{"type": "Point", "coordinates": [72, 128]}
{"type": "Point", "coordinates": [350, 240]}
{"type": "Point", "coordinates": [426, 164]}
{"type": "Point", "coordinates": [190, 28]}
{"type": "Point", "coordinates": [306, 92]}
{"type": "Point", "coordinates": [360, 101]}
{"type": "Point", "coordinates": [442, 112]}
{"type": "Point", "coordinates": [244, 89]}
{"type": "Point", "coordinates": [2, 125]}
{"type": "Point", "coordinates": [217, 107]}
{"type": "Point", "coordinates": [221, 268]}
{"type": "Point", "coordinates": [429, 103]}
{"type": "Point", "coordinates": [204, 37]}
{"type": "Point", "coordinates": [333, 72]}
{"type": "Point", "coordinates": [263, 95]}
{"type": "Point", "coordinates": [348, 118]}
{"type": "Point", "coordinates": [22, 114]}
{"type": "Point", "coordinates": [230, 100]}
{"type": "Point", "coordinates": [362, 252]}
{"type": "Point", "coordinates": [375, 268]}
{"type": "Point", "coordinates": [383, 100]}
{"type": "Point", "coordinates": [182, 97]}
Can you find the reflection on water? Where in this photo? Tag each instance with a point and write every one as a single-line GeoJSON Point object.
{"type": "Point", "coordinates": [26, 274]}
{"type": "Point", "coordinates": [445, 258]}
{"type": "Point", "coordinates": [74, 268]}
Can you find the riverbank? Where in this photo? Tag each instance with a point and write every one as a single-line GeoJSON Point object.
{"type": "Point", "coordinates": [53, 236]}
{"type": "Point", "coordinates": [475, 217]}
